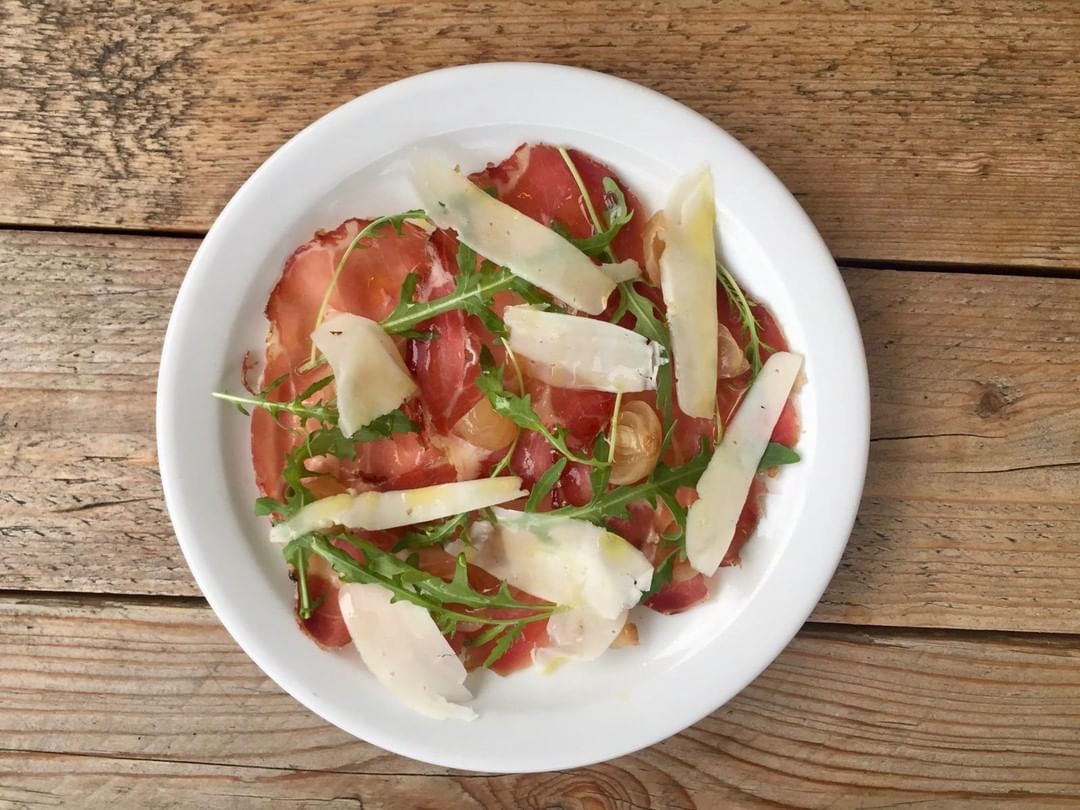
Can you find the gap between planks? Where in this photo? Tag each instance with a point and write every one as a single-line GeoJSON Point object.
{"type": "Point", "coordinates": [843, 262]}
{"type": "Point", "coordinates": [977, 269]}
{"type": "Point", "coordinates": [79, 599]}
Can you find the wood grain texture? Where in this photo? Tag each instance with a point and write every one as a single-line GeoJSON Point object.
{"type": "Point", "coordinates": [972, 503]}
{"type": "Point", "coordinates": [971, 511]}
{"type": "Point", "coordinates": [844, 718]}
{"type": "Point", "coordinates": [934, 130]}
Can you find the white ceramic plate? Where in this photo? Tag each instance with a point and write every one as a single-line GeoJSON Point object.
{"type": "Point", "coordinates": [349, 164]}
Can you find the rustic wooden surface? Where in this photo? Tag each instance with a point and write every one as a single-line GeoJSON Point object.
{"type": "Point", "coordinates": [158, 700]}
{"type": "Point", "coordinates": [934, 130]}
{"type": "Point", "coordinates": [974, 473]}
{"type": "Point", "coordinates": [937, 146]}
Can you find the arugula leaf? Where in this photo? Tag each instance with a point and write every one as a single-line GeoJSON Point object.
{"type": "Point", "coordinates": [650, 324]}
{"type": "Point", "coordinates": [599, 244]}
{"type": "Point", "coordinates": [545, 484]}
{"type": "Point", "coordinates": [519, 409]}
{"type": "Point", "coordinates": [777, 454]}
{"type": "Point", "coordinates": [466, 259]}
{"type": "Point", "coordinates": [384, 426]}
{"type": "Point", "coordinates": [321, 411]}
{"type": "Point", "coordinates": [663, 482]}
{"type": "Point", "coordinates": [472, 292]}
{"type": "Point", "coordinates": [506, 639]}
{"type": "Point", "coordinates": [268, 506]}
{"type": "Point", "coordinates": [296, 554]}
{"type": "Point", "coordinates": [747, 319]}
{"type": "Point", "coordinates": [599, 476]}
{"type": "Point", "coordinates": [450, 602]}
{"type": "Point", "coordinates": [324, 412]}
{"type": "Point", "coordinates": [433, 534]}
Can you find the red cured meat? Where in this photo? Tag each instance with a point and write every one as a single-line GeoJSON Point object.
{"type": "Point", "coordinates": [574, 487]}
{"type": "Point", "coordinates": [532, 457]}
{"type": "Point", "coordinates": [537, 182]}
{"type": "Point", "coordinates": [325, 625]}
{"type": "Point", "coordinates": [686, 589]}
{"type": "Point", "coordinates": [369, 285]}
{"type": "Point", "coordinates": [446, 367]}
{"type": "Point", "coordinates": [747, 522]}
{"type": "Point", "coordinates": [584, 413]}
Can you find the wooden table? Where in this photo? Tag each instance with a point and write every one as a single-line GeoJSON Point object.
{"type": "Point", "coordinates": [936, 144]}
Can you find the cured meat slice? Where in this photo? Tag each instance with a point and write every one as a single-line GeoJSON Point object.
{"type": "Point", "coordinates": [369, 285]}
{"type": "Point", "coordinates": [537, 182]}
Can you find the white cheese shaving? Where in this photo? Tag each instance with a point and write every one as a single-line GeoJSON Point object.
{"type": "Point", "coordinates": [688, 281]}
{"type": "Point", "coordinates": [387, 510]}
{"type": "Point", "coordinates": [402, 646]}
{"type": "Point", "coordinates": [508, 237]}
{"type": "Point", "coordinates": [575, 352]}
{"type": "Point", "coordinates": [370, 377]}
{"type": "Point", "coordinates": [595, 575]}
{"type": "Point", "coordinates": [725, 484]}
{"type": "Point", "coordinates": [626, 270]}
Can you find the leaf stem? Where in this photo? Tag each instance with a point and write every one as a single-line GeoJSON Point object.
{"type": "Point", "coordinates": [485, 288]}
{"type": "Point", "coordinates": [614, 427]}
{"type": "Point", "coordinates": [305, 411]}
{"type": "Point", "coordinates": [746, 315]}
{"type": "Point", "coordinates": [598, 226]}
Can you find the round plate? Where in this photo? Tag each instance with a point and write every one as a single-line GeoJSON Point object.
{"type": "Point", "coordinates": [350, 163]}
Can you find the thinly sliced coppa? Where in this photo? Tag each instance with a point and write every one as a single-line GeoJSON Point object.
{"type": "Point", "coordinates": [537, 182]}
{"type": "Point", "coordinates": [369, 285]}
{"type": "Point", "coordinates": [446, 367]}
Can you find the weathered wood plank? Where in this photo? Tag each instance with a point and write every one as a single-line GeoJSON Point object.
{"type": "Point", "coordinates": [972, 504]}
{"type": "Point", "coordinates": [156, 703]}
{"type": "Point", "coordinates": [933, 131]}
{"type": "Point", "coordinates": [971, 509]}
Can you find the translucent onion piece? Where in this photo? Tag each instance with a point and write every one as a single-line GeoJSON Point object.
{"type": "Point", "coordinates": [653, 243]}
{"type": "Point", "coordinates": [484, 428]}
{"type": "Point", "coordinates": [731, 359]}
{"type": "Point", "coordinates": [637, 443]}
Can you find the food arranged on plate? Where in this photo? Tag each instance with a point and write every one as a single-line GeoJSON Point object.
{"type": "Point", "coordinates": [487, 428]}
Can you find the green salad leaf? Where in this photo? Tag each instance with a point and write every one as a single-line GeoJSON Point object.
{"type": "Point", "coordinates": [450, 602]}
{"type": "Point", "coordinates": [662, 484]}
{"type": "Point", "coordinates": [519, 409]}
{"type": "Point", "coordinates": [745, 308]}
{"type": "Point", "coordinates": [775, 455]}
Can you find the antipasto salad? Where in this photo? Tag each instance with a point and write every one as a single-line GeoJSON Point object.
{"type": "Point", "coordinates": [487, 428]}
